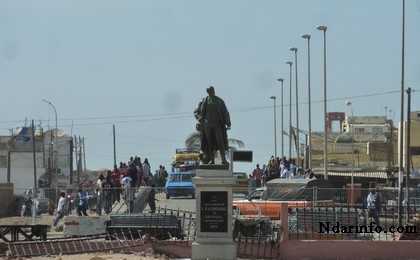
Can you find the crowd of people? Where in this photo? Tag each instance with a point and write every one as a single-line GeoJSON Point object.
{"type": "Point", "coordinates": [114, 186]}
{"type": "Point", "coordinates": [278, 168]}
{"type": "Point", "coordinates": [123, 181]}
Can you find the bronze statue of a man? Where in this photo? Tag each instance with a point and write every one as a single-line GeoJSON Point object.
{"type": "Point", "coordinates": [213, 122]}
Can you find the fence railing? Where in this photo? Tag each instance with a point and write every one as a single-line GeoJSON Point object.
{"type": "Point", "coordinates": [15, 200]}
{"type": "Point", "coordinates": [345, 222]}
{"type": "Point", "coordinates": [311, 222]}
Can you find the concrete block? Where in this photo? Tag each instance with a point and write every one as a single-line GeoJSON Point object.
{"type": "Point", "coordinates": [84, 225]}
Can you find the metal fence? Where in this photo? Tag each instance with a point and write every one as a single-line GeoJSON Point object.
{"type": "Point", "coordinates": [165, 224]}
{"type": "Point", "coordinates": [344, 195]}
{"type": "Point", "coordinates": [255, 238]}
{"type": "Point", "coordinates": [259, 237]}
{"type": "Point", "coordinates": [385, 220]}
{"type": "Point", "coordinates": [346, 222]}
{"type": "Point", "coordinates": [112, 200]}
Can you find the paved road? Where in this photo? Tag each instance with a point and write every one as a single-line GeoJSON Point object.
{"type": "Point", "coordinates": [182, 203]}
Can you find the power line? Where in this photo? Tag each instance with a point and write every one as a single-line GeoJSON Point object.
{"type": "Point", "coordinates": [179, 115]}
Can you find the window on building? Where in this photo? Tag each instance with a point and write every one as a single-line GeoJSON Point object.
{"type": "Point", "coordinates": [359, 130]}
{"type": "Point", "coordinates": [377, 130]}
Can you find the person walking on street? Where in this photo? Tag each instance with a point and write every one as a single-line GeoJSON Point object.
{"type": "Point", "coordinates": [116, 175]}
{"type": "Point", "coordinates": [132, 172]}
{"type": "Point", "coordinates": [28, 208]}
{"type": "Point", "coordinates": [152, 199]}
{"type": "Point", "coordinates": [160, 178]}
{"type": "Point", "coordinates": [371, 207]}
{"type": "Point", "coordinates": [127, 184]}
{"type": "Point", "coordinates": [108, 191]}
{"type": "Point", "coordinates": [60, 209]}
{"type": "Point", "coordinates": [139, 167]}
{"type": "Point", "coordinates": [99, 196]}
{"type": "Point", "coordinates": [81, 208]}
{"type": "Point", "coordinates": [147, 173]}
{"type": "Point", "coordinates": [257, 174]}
{"type": "Point", "coordinates": [50, 207]}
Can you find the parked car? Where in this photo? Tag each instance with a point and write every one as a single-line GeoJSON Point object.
{"type": "Point", "coordinates": [180, 183]}
{"type": "Point", "coordinates": [296, 192]}
{"type": "Point", "coordinates": [41, 205]}
{"type": "Point", "coordinates": [242, 183]}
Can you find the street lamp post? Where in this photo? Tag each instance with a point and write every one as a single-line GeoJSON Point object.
{"type": "Point", "coordinates": [282, 116]}
{"type": "Point", "coordinates": [308, 37]}
{"type": "Point", "coordinates": [401, 132]}
{"type": "Point", "coordinates": [275, 127]}
{"type": "Point", "coordinates": [294, 49]}
{"type": "Point", "coordinates": [290, 110]}
{"type": "Point", "coordinates": [55, 145]}
{"type": "Point", "coordinates": [348, 103]}
{"type": "Point", "coordinates": [324, 29]}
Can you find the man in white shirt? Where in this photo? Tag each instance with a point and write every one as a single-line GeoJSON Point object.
{"type": "Point", "coordinates": [99, 198]}
{"type": "Point", "coordinates": [285, 174]}
{"type": "Point", "coordinates": [370, 201]}
{"type": "Point", "coordinates": [60, 208]}
{"type": "Point", "coordinates": [126, 182]}
{"type": "Point", "coordinates": [129, 196]}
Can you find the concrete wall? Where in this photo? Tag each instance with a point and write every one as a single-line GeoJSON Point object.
{"type": "Point", "coordinates": [348, 249]}
{"type": "Point", "coordinates": [415, 141]}
{"type": "Point", "coordinates": [343, 249]}
{"type": "Point", "coordinates": [22, 162]}
{"type": "Point", "coordinates": [6, 201]}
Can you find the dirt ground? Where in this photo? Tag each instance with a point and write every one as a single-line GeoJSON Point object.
{"type": "Point", "coordinates": [43, 220]}
{"type": "Point", "coordinates": [48, 220]}
{"type": "Point", "coordinates": [101, 256]}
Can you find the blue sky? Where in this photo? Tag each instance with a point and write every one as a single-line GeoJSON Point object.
{"type": "Point", "coordinates": [144, 65]}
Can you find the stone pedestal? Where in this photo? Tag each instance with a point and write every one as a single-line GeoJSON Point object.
{"type": "Point", "coordinates": [214, 224]}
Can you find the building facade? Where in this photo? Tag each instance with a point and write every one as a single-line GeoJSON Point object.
{"type": "Point", "coordinates": [367, 145]}
{"type": "Point", "coordinates": [26, 159]}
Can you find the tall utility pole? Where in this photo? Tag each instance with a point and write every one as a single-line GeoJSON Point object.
{"type": "Point", "coordinates": [400, 129]}
{"type": "Point", "coordinates": [55, 147]}
{"type": "Point", "coordinates": [81, 151]}
{"type": "Point", "coordinates": [290, 109]}
{"type": "Point", "coordinates": [294, 49]}
{"type": "Point", "coordinates": [282, 117]}
{"type": "Point", "coordinates": [77, 159]}
{"type": "Point", "coordinates": [9, 154]}
{"type": "Point", "coordinates": [309, 161]}
{"type": "Point", "coordinates": [35, 189]}
{"type": "Point", "coordinates": [275, 127]}
{"type": "Point", "coordinates": [324, 29]}
{"type": "Point", "coordinates": [84, 155]}
{"type": "Point", "coordinates": [348, 103]}
{"type": "Point", "coordinates": [115, 150]}
{"type": "Point", "coordinates": [408, 151]}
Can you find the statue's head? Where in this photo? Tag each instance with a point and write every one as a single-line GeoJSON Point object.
{"type": "Point", "coordinates": [210, 91]}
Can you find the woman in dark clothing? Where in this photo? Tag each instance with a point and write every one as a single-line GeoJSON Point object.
{"type": "Point", "coordinates": [152, 199]}
{"type": "Point", "coordinates": [109, 186]}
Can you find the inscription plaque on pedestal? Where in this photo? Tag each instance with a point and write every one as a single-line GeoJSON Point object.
{"type": "Point", "coordinates": [214, 211]}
